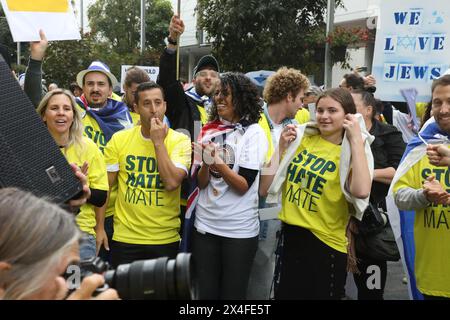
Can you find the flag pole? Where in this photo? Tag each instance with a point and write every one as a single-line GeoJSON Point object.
{"type": "Point", "coordinates": [142, 26]}
{"type": "Point", "coordinates": [178, 41]}
{"type": "Point", "coordinates": [330, 26]}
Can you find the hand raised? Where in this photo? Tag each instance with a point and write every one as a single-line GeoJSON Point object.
{"type": "Point", "coordinates": [38, 48]}
{"type": "Point", "coordinates": [176, 27]}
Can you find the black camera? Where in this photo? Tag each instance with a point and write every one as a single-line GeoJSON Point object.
{"type": "Point", "coordinates": [154, 279]}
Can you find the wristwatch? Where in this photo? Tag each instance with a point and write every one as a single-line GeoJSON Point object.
{"type": "Point", "coordinates": [171, 41]}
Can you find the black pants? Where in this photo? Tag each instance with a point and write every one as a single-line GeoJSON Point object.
{"type": "Point", "coordinates": [123, 253]}
{"type": "Point", "coordinates": [370, 287]}
{"type": "Point", "coordinates": [222, 265]}
{"type": "Point", "coordinates": [309, 268]}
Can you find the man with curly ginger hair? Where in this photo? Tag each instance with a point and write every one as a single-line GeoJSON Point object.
{"type": "Point", "coordinates": [283, 94]}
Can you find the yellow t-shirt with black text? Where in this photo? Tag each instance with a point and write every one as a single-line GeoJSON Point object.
{"type": "Point", "coordinates": [97, 178]}
{"type": "Point", "coordinates": [312, 197]}
{"type": "Point", "coordinates": [145, 213]}
{"type": "Point", "coordinates": [431, 232]}
{"type": "Point", "coordinates": [93, 131]}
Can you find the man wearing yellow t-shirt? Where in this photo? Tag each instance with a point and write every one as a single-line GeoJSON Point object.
{"type": "Point", "coordinates": [148, 162]}
{"type": "Point", "coordinates": [424, 188]}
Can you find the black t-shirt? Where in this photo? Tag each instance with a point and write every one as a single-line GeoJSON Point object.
{"type": "Point", "coordinates": [387, 149]}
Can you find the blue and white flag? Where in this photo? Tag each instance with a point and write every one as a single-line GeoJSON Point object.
{"type": "Point", "coordinates": [113, 117]}
{"type": "Point", "coordinates": [404, 230]}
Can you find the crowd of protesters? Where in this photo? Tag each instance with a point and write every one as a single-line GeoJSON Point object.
{"type": "Point", "coordinates": [219, 154]}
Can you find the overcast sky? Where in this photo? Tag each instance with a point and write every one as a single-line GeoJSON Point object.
{"type": "Point", "coordinates": [86, 4]}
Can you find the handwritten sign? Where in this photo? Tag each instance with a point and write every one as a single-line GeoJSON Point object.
{"type": "Point", "coordinates": [411, 48]}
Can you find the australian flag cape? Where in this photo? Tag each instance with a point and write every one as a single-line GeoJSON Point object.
{"type": "Point", "coordinates": [402, 222]}
{"type": "Point", "coordinates": [113, 117]}
{"type": "Point", "coordinates": [210, 132]}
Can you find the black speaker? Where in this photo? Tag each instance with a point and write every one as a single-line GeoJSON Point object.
{"type": "Point", "coordinates": [29, 157]}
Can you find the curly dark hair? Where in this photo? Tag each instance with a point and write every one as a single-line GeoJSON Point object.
{"type": "Point", "coordinates": [246, 101]}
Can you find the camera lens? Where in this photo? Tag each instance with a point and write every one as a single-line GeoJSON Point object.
{"type": "Point", "coordinates": [155, 279]}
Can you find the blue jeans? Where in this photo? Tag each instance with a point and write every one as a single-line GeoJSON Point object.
{"type": "Point", "coordinates": [88, 246]}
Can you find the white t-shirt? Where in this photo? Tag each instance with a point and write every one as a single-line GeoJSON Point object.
{"type": "Point", "coordinates": [221, 210]}
{"type": "Point", "coordinates": [276, 133]}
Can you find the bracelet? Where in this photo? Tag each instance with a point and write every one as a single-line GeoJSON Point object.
{"type": "Point", "coordinates": [171, 41]}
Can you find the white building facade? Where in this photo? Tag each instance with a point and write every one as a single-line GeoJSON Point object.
{"type": "Point", "coordinates": [356, 13]}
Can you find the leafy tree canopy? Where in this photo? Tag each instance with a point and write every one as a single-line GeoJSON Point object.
{"type": "Point", "coordinates": [118, 22]}
{"type": "Point", "coordinates": [261, 34]}
{"type": "Point", "coordinates": [114, 39]}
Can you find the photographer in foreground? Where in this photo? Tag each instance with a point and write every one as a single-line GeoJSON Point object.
{"type": "Point", "coordinates": [38, 240]}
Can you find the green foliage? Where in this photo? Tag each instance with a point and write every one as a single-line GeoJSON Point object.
{"type": "Point", "coordinates": [5, 35]}
{"type": "Point", "coordinates": [340, 36]}
{"type": "Point", "coordinates": [118, 22]}
{"type": "Point", "coordinates": [66, 58]}
{"type": "Point", "coordinates": [261, 34]}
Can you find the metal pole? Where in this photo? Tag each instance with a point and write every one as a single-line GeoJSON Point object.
{"type": "Point", "coordinates": [178, 41]}
{"type": "Point", "coordinates": [18, 53]}
{"type": "Point", "coordinates": [82, 16]}
{"type": "Point", "coordinates": [330, 26]}
{"type": "Point", "coordinates": [142, 26]}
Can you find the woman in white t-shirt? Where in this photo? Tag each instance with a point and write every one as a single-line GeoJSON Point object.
{"type": "Point", "coordinates": [233, 148]}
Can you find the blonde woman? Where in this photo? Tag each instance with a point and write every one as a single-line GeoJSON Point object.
{"type": "Point", "coordinates": [38, 240]}
{"type": "Point", "coordinates": [59, 112]}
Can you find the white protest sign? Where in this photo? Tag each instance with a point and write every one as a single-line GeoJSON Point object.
{"type": "Point", "coordinates": [54, 17]}
{"type": "Point", "coordinates": [411, 48]}
{"type": "Point", "coordinates": [152, 72]}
